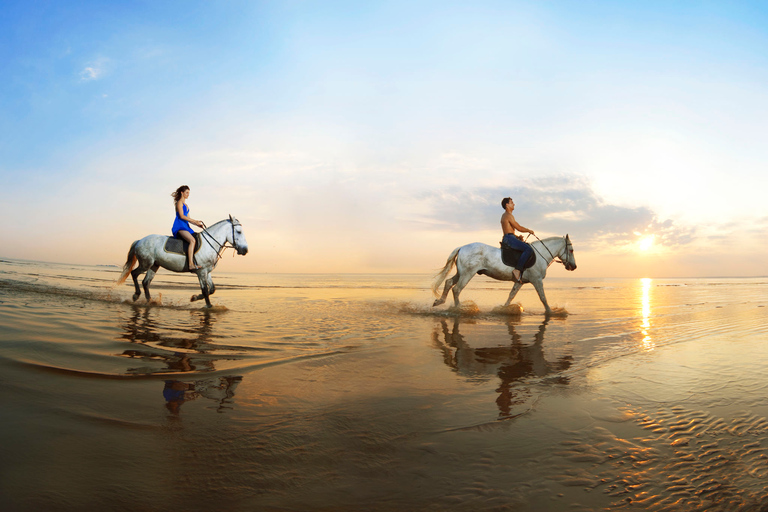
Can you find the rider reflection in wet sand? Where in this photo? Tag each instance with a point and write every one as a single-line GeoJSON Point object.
{"type": "Point", "coordinates": [221, 390]}
{"type": "Point", "coordinates": [508, 226]}
{"type": "Point", "coordinates": [176, 393]}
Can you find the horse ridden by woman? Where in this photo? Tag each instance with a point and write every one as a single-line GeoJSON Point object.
{"type": "Point", "coordinates": [153, 252]}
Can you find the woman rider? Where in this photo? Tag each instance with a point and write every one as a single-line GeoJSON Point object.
{"type": "Point", "coordinates": [508, 226]}
{"type": "Point", "coordinates": [181, 227]}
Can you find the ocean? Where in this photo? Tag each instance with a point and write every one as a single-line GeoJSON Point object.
{"type": "Point", "coordinates": [301, 392]}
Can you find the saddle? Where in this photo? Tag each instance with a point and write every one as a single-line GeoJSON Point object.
{"type": "Point", "coordinates": [510, 256]}
{"type": "Point", "coordinates": [180, 246]}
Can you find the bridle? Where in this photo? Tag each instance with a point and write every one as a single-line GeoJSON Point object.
{"type": "Point", "coordinates": [568, 252]}
{"type": "Point", "coordinates": [209, 237]}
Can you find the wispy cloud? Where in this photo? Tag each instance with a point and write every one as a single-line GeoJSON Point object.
{"type": "Point", "coordinates": [94, 70]}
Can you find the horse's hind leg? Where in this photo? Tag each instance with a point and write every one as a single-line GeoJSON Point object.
{"type": "Point", "coordinates": [135, 273]}
{"type": "Point", "coordinates": [148, 279]}
{"type": "Point", "coordinates": [448, 285]}
{"type": "Point", "coordinates": [513, 292]}
{"type": "Point", "coordinates": [461, 282]}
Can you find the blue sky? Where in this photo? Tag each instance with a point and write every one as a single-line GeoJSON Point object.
{"type": "Point", "coordinates": [377, 136]}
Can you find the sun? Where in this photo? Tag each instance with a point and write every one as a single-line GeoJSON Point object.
{"type": "Point", "coordinates": [646, 242]}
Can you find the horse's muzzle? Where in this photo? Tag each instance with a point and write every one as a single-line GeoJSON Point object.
{"type": "Point", "coordinates": [242, 251]}
{"type": "Point", "coordinates": [570, 267]}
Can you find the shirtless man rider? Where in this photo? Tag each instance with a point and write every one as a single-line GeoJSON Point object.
{"type": "Point", "coordinates": [508, 226]}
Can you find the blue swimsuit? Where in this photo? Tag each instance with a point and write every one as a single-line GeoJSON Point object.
{"type": "Point", "coordinates": [180, 224]}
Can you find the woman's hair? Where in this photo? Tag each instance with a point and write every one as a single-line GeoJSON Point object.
{"type": "Point", "coordinates": [177, 195]}
{"type": "Point", "coordinates": [505, 201]}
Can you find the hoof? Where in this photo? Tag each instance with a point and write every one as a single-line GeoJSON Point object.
{"type": "Point", "coordinates": [193, 298]}
{"type": "Point", "coordinates": [438, 302]}
{"type": "Point", "coordinates": [136, 296]}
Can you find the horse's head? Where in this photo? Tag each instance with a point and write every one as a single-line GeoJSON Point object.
{"type": "Point", "coordinates": [569, 260]}
{"type": "Point", "coordinates": [238, 238]}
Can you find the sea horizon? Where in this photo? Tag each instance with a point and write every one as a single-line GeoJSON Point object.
{"type": "Point", "coordinates": [429, 273]}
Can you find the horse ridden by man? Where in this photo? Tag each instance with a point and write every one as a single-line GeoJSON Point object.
{"type": "Point", "coordinates": [529, 266]}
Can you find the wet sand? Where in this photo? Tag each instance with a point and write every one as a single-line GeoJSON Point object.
{"type": "Point", "coordinates": [350, 393]}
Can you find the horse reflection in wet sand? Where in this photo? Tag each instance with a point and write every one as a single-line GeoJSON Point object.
{"type": "Point", "coordinates": [477, 258]}
{"type": "Point", "coordinates": [192, 349]}
{"type": "Point", "coordinates": [189, 353]}
{"type": "Point", "coordinates": [513, 363]}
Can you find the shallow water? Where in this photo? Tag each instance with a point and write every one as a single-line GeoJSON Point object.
{"type": "Point", "coordinates": [349, 392]}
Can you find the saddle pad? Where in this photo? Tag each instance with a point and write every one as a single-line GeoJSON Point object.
{"type": "Point", "coordinates": [179, 246]}
{"type": "Point", "coordinates": [510, 256]}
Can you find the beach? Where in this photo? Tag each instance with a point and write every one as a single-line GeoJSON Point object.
{"type": "Point", "coordinates": [350, 392]}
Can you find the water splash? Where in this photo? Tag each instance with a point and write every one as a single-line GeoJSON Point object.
{"type": "Point", "coordinates": [510, 310]}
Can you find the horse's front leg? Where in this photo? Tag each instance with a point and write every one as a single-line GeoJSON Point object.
{"type": "Point", "coordinates": [211, 290]}
{"type": "Point", "coordinates": [513, 292]}
{"type": "Point", "coordinates": [135, 273]}
{"type": "Point", "coordinates": [539, 285]}
{"type": "Point", "coordinates": [204, 277]}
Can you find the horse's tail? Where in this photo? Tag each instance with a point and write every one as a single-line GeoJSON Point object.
{"type": "Point", "coordinates": [129, 262]}
{"type": "Point", "coordinates": [440, 277]}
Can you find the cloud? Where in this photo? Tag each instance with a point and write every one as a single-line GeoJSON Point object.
{"type": "Point", "coordinates": [558, 205]}
{"type": "Point", "coordinates": [94, 70]}
{"type": "Point", "coordinates": [90, 73]}
{"type": "Point", "coordinates": [738, 235]}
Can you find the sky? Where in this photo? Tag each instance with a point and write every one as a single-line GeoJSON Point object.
{"type": "Point", "coordinates": [378, 136]}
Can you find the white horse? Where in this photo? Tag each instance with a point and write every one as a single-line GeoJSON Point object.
{"type": "Point", "coordinates": [477, 258]}
{"type": "Point", "coordinates": [151, 254]}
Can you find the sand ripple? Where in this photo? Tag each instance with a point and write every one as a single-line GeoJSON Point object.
{"type": "Point", "coordinates": [693, 461]}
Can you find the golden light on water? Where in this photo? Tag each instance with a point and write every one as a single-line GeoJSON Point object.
{"type": "Point", "coordinates": [645, 325]}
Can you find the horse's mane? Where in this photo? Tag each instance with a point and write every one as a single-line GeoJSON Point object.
{"type": "Point", "coordinates": [217, 223]}
{"type": "Point", "coordinates": [544, 242]}
{"type": "Point", "coordinates": [547, 239]}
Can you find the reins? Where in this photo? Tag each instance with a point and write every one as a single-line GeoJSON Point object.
{"type": "Point", "coordinates": [206, 236]}
{"type": "Point", "coordinates": [547, 248]}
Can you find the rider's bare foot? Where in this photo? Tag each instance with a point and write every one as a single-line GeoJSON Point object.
{"type": "Point", "coordinates": [516, 275]}
{"type": "Point", "coordinates": [194, 267]}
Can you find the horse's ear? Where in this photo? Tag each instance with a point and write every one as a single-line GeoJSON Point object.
{"type": "Point", "coordinates": [230, 219]}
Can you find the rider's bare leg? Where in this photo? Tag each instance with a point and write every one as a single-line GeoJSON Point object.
{"type": "Point", "coordinates": [186, 235]}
